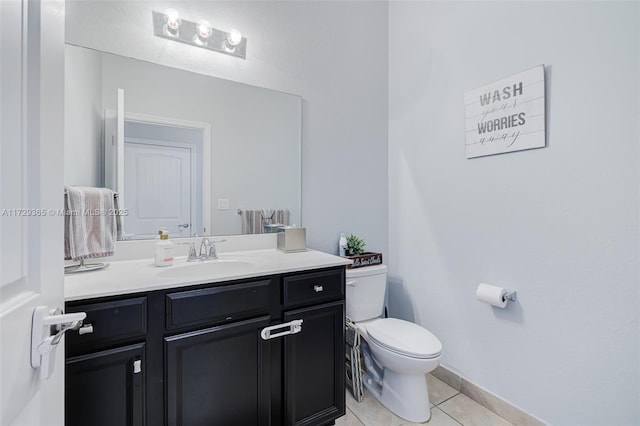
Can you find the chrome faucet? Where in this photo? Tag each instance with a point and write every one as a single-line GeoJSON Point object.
{"type": "Point", "coordinates": [207, 250]}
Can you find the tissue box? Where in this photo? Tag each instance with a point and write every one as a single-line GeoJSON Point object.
{"type": "Point", "coordinates": [292, 239]}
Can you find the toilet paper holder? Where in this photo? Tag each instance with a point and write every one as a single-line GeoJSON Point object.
{"type": "Point", "coordinates": [495, 295]}
{"type": "Point", "coordinates": [510, 296]}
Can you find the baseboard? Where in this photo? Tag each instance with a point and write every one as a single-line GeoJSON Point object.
{"type": "Point", "coordinates": [504, 409]}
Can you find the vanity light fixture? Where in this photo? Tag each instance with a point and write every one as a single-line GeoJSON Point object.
{"type": "Point", "coordinates": [170, 26]}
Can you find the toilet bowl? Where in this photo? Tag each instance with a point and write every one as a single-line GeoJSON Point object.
{"type": "Point", "coordinates": [400, 352]}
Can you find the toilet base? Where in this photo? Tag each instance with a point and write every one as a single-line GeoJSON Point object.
{"type": "Point", "coordinates": [406, 395]}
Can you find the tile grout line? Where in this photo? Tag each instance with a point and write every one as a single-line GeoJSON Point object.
{"type": "Point", "coordinates": [452, 396]}
{"type": "Point", "coordinates": [460, 393]}
{"type": "Point", "coordinates": [447, 414]}
{"type": "Point", "coordinates": [452, 378]}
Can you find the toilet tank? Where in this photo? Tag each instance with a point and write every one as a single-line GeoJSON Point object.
{"type": "Point", "coordinates": [365, 292]}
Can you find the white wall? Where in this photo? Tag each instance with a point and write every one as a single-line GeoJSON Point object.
{"type": "Point", "coordinates": [83, 118]}
{"type": "Point", "coordinates": [332, 54]}
{"type": "Point", "coordinates": [558, 224]}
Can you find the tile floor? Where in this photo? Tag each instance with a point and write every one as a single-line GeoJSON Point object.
{"type": "Point", "coordinates": [449, 408]}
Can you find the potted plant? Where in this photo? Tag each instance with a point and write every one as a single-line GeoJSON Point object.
{"type": "Point", "coordinates": [355, 245]}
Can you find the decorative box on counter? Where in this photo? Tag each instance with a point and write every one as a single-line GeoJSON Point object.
{"type": "Point", "coordinates": [291, 238]}
{"type": "Point", "coordinates": [365, 259]}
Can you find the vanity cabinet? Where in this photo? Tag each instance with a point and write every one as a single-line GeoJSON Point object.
{"type": "Point", "coordinates": [314, 358]}
{"type": "Point", "coordinates": [313, 366]}
{"type": "Point", "coordinates": [212, 354]}
{"type": "Point", "coordinates": [219, 375]}
{"type": "Point", "coordinates": [105, 381]}
{"type": "Point", "coordinates": [107, 388]}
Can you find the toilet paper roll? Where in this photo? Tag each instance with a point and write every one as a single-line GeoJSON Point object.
{"type": "Point", "coordinates": [491, 294]}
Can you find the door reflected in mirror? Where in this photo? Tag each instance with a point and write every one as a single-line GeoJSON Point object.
{"type": "Point", "coordinates": [191, 150]}
{"type": "Point", "coordinates": [163, 177]}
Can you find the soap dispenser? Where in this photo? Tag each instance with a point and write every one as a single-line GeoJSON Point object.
{"type": "Point", "coordinates": [164, 249]}
{"type": "Point", "coordinates": [342, 244]}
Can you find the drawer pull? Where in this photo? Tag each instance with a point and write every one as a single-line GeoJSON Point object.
{"type": "Point", "coordinates": [318, 288]}
{"type": "Point", "coordinates": [86, 329]}
{"type": "Point", "coordinates": [294, 326]}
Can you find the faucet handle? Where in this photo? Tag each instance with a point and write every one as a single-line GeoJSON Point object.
{"type": "Point", "coordinates": [193, 256]}
{"type": "Point", "coordinates": [192, 253]}
{"type": "Point", "coordinates": [212, 254]}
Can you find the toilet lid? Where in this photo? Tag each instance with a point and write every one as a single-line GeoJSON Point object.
{"type": "Point", "coordinates": [405, 338]}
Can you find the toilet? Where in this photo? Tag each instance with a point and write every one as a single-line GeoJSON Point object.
{"type": "Point", "coordinates": [397, 354]}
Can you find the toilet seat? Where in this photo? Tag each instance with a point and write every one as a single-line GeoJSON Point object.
{"type": "Point", "coordinates": [404, 338]}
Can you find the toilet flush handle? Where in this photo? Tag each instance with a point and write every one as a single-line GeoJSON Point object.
{"type": "Point", "coordinates": [352, 282]}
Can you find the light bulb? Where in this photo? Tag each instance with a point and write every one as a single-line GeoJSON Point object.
{"type": "Point", "coordinates": [172, 18]}
{"type": "Point", "coordinates": [204, 29]}
{"type": "Point", "coordinates": [203, 32]}
{"type": "Point", "coordinates": [234, 38]}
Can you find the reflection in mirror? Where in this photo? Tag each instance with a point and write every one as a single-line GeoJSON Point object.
{"type": "Point", "coordinates": [185, 151]}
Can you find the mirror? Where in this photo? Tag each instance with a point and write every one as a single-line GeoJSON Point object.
{"type": "Point", "coordinates": [196, 150]}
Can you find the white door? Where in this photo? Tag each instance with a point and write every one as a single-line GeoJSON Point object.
{"type": "Point", "coordinates": [31, 192]}
{"type": "Point", "coordinates": [158, 189]}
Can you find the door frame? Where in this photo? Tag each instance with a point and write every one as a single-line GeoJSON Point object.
{"type": "Point", "coordinates": [207, 160]}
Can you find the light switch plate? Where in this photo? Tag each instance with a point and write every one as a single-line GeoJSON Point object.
{"type": "Point", "coordinates": [223, 204]}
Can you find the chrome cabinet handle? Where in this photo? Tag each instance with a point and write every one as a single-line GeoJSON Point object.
{"type": "Point", "coordinates": [318, 288]}
{"type": "Point", "coordinates": [86, 329]}
{"type": "Point", "coordinates": [294, 326]}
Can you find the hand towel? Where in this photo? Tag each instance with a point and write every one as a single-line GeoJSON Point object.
{"type": "Point", "coordinates": [251, 221]}
{"type": "Point", "coordinates": [254, 221]}
{"type": "Point", "coordinates": [281, 217]}
{"type": "Point", "coordinates": [267, 217]}
{"type": "Point", "coordinates": [90, 223]}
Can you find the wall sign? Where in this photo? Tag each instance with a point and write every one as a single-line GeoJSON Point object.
{"type": "Point", "coordinates": [506, 116]}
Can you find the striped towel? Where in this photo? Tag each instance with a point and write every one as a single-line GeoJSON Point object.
{"type": "Point", "coordinates": [281, 217]}
{"type": "Point", "coordinates": [251, 221]}
{"type": "Point", "coordinates": [90, 225]}
{"type": "Point", "coordinates": [254, 221]}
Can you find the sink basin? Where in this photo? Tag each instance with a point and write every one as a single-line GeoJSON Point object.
{"type": "Point", "coordinates": [220, 266]}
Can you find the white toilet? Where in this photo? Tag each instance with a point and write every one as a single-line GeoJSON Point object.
{"type": "Point", "coordinates": [402, 352]}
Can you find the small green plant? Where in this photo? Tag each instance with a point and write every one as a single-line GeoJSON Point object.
{"type": "Point", "coordinates": [355, 245]}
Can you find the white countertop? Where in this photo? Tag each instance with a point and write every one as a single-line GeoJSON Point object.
{"type": "Point", "coordinates": [141, 275]}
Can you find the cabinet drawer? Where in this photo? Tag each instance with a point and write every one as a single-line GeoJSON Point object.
{"type": "Point", "coordinates": [313, 287]}
{"type": "Point", "coordinates": [217, 304]}
{"type": "Point", "coordinates": [111, 322]}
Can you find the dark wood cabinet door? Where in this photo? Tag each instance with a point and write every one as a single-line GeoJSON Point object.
{"type": "Point", "coordinates": [219, 376]}
{"type": "Point", "coordinates": [314, 366]}
{"type": "Point", "coordinates": [106, 388]}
